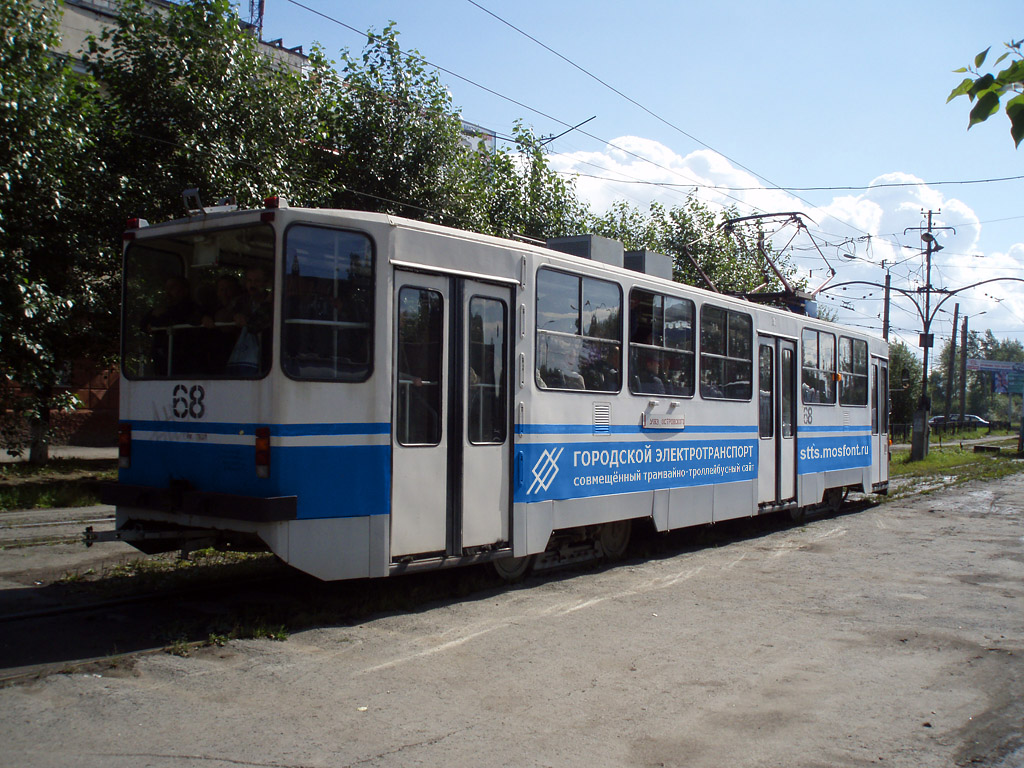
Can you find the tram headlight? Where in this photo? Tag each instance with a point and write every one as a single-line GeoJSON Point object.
{"type": "Point", "coordinates": [263, 452]}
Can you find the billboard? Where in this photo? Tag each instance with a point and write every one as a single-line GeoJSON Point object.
{"type": "Point", "coordinates": [1006, 376]}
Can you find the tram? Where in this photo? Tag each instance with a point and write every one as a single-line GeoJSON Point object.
{"type": "Point", "coordinates": [366, 395]}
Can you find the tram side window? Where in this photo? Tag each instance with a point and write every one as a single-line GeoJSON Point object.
{"type": "Point", "coordinates": [328, 305]}
{"type": "Point", "coordinates": [579, 333]}
{"type": "Point", "coordinates": [818, 384]}
{"type": "Point", "coordinates": [853, 369]}
{"type": "Point", "coordinates": [726, 354]}
{"type": "Point", "coordinates": [488, 415]}
{"type": "Point", "coordinates": [661, 359]}
{"type": "Point", "coordinates": [885, 400]}
{"type": "Point", "coordinates": [788, 404]}
{"type": "Point", "coordinates": [420, 338]}
{"type": "Point", "coordinates": [766, 391]}
{"type": "Point", "coordinates": [874, 398]}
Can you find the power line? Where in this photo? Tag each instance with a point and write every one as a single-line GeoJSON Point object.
{"type": "Point", "coordinates": [816, 189]}
{"type": "Point", "coordinates": [616, 91]}
{"type": "Point", "coordinates": [654, 115]}
{"type": "Point", "coordinates": [422, 60]}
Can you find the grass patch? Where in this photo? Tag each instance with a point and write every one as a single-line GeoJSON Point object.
{"type": "Point", "coordinates": [58, 483]}
{"type": "Point", "coordinates": [949, 466]}
{"type": "Point", "coordinates": [169, 570]}
{"type": "Point", "coordinates": [938, 436]}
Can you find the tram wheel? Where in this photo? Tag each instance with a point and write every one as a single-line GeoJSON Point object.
{"type": "Point", "coordinates": [614, 538]}
{"type": "Point", "coordinates": [834, 498]}
{"type": "Point", "coordinates": [512, 568]}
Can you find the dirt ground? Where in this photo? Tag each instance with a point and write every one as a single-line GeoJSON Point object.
{"type": "Point", "coordinates": [892, 637]}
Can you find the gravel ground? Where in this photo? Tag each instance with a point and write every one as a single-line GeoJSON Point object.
{"type": "Point", "coordinates": [889, 637]}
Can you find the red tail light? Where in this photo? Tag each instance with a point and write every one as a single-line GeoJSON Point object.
{"type": "Point", "coordinates": [263, 451]}
{"type": "Point", "coordinates": [271, 204]}
{"type": "Point", "coordinates": [124, 445]}
{"type": "Point", "coordinates": [132, 225]}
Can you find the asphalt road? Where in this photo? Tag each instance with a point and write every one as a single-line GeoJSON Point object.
{"type": "Point", "coordinates": [893, 637]}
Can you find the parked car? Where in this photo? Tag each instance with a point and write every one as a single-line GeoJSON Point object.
{"type": "Point", "coordinates": [970, 421]}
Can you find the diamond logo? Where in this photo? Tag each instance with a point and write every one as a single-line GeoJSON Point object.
{"type": "Point", "coordinates": [545, 470]}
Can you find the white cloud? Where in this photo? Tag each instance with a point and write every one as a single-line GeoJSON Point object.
{"type": "Point", "coordinates": [885, 212]}
{"type": "Point", "coordinates": [642, 171]}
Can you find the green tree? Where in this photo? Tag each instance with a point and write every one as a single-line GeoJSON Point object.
{"type": "Point", "coordinates": [904, 382]}
{"type": "Point", "coordinates": [986, 90]}
{"type": "Point", "coordinates": [981, 397]}
{"type": "Point", "coordinates": [513, 191]}
{"type": "Point", "coordinates": [691, 233]}
{"type": "Point", "coordinates": [57, 276]}
{"type": "Point", "coordinates": [982, 400]}
{"type": "Point", "coordinates": [401, 150]}
{"type": "Point", "coordinates": [396, 135]}
{"type": "Point", "coordinates": [190, 101]}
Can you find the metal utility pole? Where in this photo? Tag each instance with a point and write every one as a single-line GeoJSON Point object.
{"type": "Point", "coordinates": [919, 441]}
{"type": "Point", "coordinates": [885, 310]}
{"type": "Point", "coordinates": [951, 375]}
{"type": "Point", "coordinates": [963, 368]}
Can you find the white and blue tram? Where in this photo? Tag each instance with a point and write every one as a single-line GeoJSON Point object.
{"type": "Point", "coordinates": [366, 395]}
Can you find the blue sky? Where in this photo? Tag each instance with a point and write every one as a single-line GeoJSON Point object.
{"type": "Point", "coordinates": [757, 94]}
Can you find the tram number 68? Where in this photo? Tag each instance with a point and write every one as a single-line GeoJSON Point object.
{"type": "Point", "coordinates": [188, 403]}
{"type": "Point", "coordinates": [808, 415]}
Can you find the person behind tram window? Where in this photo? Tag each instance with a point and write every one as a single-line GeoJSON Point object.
{"type": "Point", "coordinates": [228, 291]}
{"type": "Point", "coordinates": [253, 313]}
{"type": "Point", "coordinates": [674, 375]}
{"type": "Point", "coordinates": [650, 378]}
{"type": "Point", "coordinates": [174, 310]}
{"type": "Point", "coordinates": [221, 332]}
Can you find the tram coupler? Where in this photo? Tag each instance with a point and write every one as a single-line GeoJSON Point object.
{"type": "Point", "coordinates": [134, 535]}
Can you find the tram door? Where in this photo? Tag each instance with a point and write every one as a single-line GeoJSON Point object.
{"type": "Point", "coordinates": [450, 412]}
{"type": "Point", "coordinates": [879, 420]}
{"type": "Point", "coordinates": [776, 420]}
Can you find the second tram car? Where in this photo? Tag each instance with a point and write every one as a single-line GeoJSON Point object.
{"type": "Point", "coordinates": [365, 395]}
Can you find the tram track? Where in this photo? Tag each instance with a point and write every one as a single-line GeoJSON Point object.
{"type": "Point", "coordinates": [31, 527]}
{"type": "Point", "coordinates": [76, 633]}
{"type": "Point", "coordinates": [93, 521]}
{"type": "Point", "coordinates": [64, 624]}
{"type": "Point", "coordinates": [45, 533]}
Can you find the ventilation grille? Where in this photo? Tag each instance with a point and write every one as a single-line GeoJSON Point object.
{"type": "Point", "coordinates": [602, 418]}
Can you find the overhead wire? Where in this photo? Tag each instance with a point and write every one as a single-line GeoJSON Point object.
{"type": "Point", "coordinates": [486, 89]}
{"type": "Point", "coordinates": [690, 182]}
{"type": "Point", "coordinates": [653, 114]}
{"type": "Point", "coordinates": [632, 180]}
{"type": "Point", "coordinates": [862, 188]}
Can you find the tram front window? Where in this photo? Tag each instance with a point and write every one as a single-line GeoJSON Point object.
{"type": "Point", "coordinates": [199, 304]}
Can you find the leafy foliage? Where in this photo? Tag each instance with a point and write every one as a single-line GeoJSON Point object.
{"type": "Point", "coordinates": [514, 192]}
{"type": "Point", "coordinates": [191, 102]}
{"type": "Point", "coordinates": [986, 90]}
{"type": "Point", "coordinates": [904, 382]}
{"type": "Point", "coordinates": [396, 134]}
{"type": "Point", "coordinates": [400, 150]}
{"type": "Point", "coordinates": [691, 231]}
{"type": "Point", "coordinates": [981, 399]}
{"type": "Point", "coordinates": [57, 277]}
